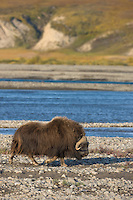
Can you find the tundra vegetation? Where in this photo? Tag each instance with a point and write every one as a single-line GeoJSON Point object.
{"type": "Point", "coordinates": [102, 31]}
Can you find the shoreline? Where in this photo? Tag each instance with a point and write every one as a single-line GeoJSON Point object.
{"type": "Point", "coordinates": [66, 72]}
{"type": "Point", "coordinates": [64, 86]}
{"type": "Point", "coordinates": [18, 123]}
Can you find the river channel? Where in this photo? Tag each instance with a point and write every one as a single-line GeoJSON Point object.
{"type": "Point", "coordinates": [82, 106]}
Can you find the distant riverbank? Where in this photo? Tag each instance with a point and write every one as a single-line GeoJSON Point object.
{"type": "Point", "coordinates": [60, 72]}
{"type": "Point", "coordinates": [64, 86]}
{"type": "Point", "coordinates": [18, 123]}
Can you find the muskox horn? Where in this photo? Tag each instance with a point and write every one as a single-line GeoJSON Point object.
{"type": "Point", "coordinates": [81, 141]}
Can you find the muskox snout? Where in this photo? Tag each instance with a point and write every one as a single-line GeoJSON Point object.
{"type": "Point", "coordinates": [84, 150]}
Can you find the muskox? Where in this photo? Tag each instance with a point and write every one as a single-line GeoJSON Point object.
{"type": "Point", "coordinates": [59, 138]}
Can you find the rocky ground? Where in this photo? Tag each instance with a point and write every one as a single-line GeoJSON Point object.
{"type": "Point", "coordinates": [106, 173]}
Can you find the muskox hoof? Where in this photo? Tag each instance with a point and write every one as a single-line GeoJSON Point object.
{"type": "Point", "coordinates": [10, 161]}
{"type": "Point", "coordinates": [11, 158]}
{"type": "Point", "coordinates": [35, 163]}
{"type": "Point", "coordinates": [64, 165]}
{"type": "Point", "coordinates": [33, 160]}
{"type": "Point", "coordinates": [50, 160]}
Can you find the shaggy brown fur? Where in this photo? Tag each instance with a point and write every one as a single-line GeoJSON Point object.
{"type": "Point", "coordinates": [56, 138]}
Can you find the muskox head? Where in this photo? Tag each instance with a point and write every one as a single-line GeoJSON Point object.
{"type": "Point", "coordinates": [82, 146]}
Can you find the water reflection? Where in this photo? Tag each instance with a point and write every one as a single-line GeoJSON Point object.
{"type": "Point", "coordinates": [63, 81]}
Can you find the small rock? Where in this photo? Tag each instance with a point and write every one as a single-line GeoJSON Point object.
{"type": "Point", "coordinates": [63, 176]}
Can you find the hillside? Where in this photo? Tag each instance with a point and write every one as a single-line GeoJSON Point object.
{"type": "Point", "coordinates": [85, 28]}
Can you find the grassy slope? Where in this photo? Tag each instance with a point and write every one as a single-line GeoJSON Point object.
{"type": "Point", "coordinates": [85, 19]}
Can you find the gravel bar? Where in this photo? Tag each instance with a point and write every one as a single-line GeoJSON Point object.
{"type": "Point", "coordinates": [67, 72]}
{"type": "Point", "coordinates": [18, 123]}
{"type": "Point", "coordinates": [122, 74]}
{"type": "Point", "coordinates": [64, 86]}
{"type": "Point", "coordinates": [100, 175]}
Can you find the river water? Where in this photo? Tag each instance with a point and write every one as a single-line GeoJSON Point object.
{"type": "Point", "coordinates": [82, 106]}
{"type": "Point", "coordinates": [64, 81]}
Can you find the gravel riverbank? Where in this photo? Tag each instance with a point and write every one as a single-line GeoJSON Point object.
{"type": "Point", "coordinates": [64, 86]}
{"type": "Point", "coordinates": [18, 123]}
{"type": "Point", "coordinates": [101, 175]}
{"type": "Point", "coordinates": [66, 72]}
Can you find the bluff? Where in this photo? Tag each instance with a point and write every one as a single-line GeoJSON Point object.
{"type": "Point", "coordinates": [53, 39]}
{"type": "Point", "coordinates": [11, 31]}
{"type": "Point", "coordinates": [94, 26]}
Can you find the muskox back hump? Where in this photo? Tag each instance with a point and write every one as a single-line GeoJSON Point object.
{"type": "Point", "coordinates": [68, 127]}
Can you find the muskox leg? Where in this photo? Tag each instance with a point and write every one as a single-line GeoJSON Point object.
{"type": "Point", "coordinates": [33, 160]}
{"type": "Point", "coordinates": [51, 159]}
{"type": "Point", "coordinates": [63, 162]}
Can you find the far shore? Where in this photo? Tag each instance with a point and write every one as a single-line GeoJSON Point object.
{"type": "Point", "coordinates": [64, 86]}
{"type": "Point", "coordinates": [63, 72]}
{"type": "Point", "coordinates": [18, 123]}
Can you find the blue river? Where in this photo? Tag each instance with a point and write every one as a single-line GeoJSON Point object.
{"type": "Point", "coordinates": [82, 106]}
{"type": "Point", "coordinates": [63, 81]}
